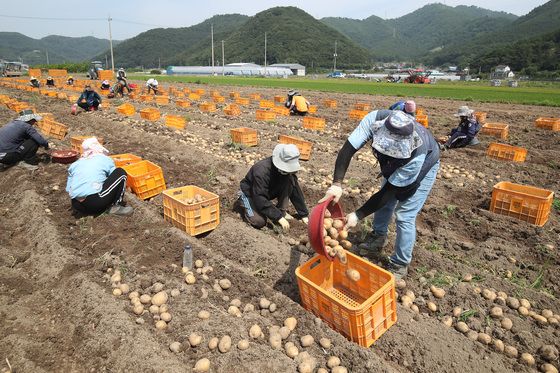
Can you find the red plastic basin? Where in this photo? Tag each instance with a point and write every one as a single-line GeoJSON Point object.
{"type": "Point", "coordinates": [316, 225]}
{"type": "Point", "coordinates": [64, 156]}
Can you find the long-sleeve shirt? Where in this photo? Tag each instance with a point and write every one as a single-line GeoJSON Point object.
{"type": "Point", "coordinates": [468, 127]}
{"type": "Point", "coordinates": [13, 134]}
{"type": "Point", "coordinates": [90, 97]}
{"type": "Point", "coordinates": [87, 175]}
{"type": "Point", "coordinates": [263, 183]}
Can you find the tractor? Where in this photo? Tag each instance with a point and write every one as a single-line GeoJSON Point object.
{"type": "Point", "coordinates": [94, 69]}
{"type": "Point", "coordinates": [418, 77]}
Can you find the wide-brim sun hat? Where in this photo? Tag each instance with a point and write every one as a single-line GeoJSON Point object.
{"type": "Point", "coordinates": [293, 92]}
{"type": "Point", "coordinates": [27, 115]}
{"type": "Point", "coordinates": [464, 111]}
{"type": "Point", "coordinates": [396, 137]}
{"type": "Point", "coordinates": [285, 157]}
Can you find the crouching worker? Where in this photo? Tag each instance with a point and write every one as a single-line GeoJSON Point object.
{"type": "Point", "coordinates": [465, 133]}
{"type": "Point", "coordinates": [19, 141]}
{"type": "Point", "coordinates": [272, 178]}
{"type": "Point", "coordinates": [70, 80]}
{"type": "Point", "coordinates": [50, 81]}
{"type": "Point", "coordinates": [297, 104]}
{"type": "Point", "coordinates": [95, 184]}
{"type": "Point", "coordinates": [89, 100]}
{"type": "Point", "coordinates": [34, 82]}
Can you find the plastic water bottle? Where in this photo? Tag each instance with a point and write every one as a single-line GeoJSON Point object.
{"type": "Point", "coordinates": [187, 256]}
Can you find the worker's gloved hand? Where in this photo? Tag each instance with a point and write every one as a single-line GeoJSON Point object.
{"type": "Point", "coordinates": [333, 191]}
{"type": "Point", "coordinates": [284, 224]}
{"type": "Point", "coordinates": [305, 220]}
{"type": "Point", "coordinates": [351, 221]}
{"type": "Point", "coordinates": [288, 217]}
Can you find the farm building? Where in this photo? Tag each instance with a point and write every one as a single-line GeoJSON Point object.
{"type": "Point", "coordinates": [297, 69]}
{"type": "Point", "coordinates": [502, 72]}
{"type": "Point", "coordinates": [241, 69]}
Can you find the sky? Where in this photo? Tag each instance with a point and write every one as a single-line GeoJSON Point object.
{"type": "Point", "coordinates": [133, 17]}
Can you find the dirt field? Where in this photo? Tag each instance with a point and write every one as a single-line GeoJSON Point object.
{"type": "Point", "coordinates": [58, 313]}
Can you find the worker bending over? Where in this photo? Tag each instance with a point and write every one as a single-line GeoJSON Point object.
{"type": "Point", "coordinates": [297, 104]}
{"type": "Point", "coordinates": [408, 107]}
{"type": "Point", "coordinates": [152, 85]}
{"type": "Point", "coordinates": [272, 178]}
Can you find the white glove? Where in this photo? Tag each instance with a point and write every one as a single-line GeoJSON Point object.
{"type": "Point", "coordinates": [288, 217]}
{"type": "Point", "coordinates": [351, 221]}
{"type": "Point", "coordinates": [305, 220]}
{"type": "Point", "coordinates": [284, 224]}
{"type": "Point", "coordinates": [333, 191]}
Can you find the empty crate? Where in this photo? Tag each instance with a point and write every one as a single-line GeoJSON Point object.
{"type": "Point", "coordinates": [145, 179]}
{"type": "Point", "coordinates": [313, 123]}
{"type": "Point", "coordinates": [175, 121]}
{"type": "Point", "coordinates": [362, 106]}
{"type": "Point", "coordinates": [244, 136]}
{"type": "Point", "coordinates": [499, 130]}
{"type": "Point", "coordinates": [330, 103]}
{"type": "Point", "coordinates": [265, 115]}
{"type": "Point", "coordinates": [303, 145]}
{"type": "Point", "coordinates": [150, 114]}
{"type": "Point", "coordinates": [552, 124]}
{"type": "Point", "coordinates": [506, 152]}
{"type": "Point", "coordinates": [527, 203]}
{"type": "Point", "coordinates": [51, 128]}
{"type": "Point", "coordinates": [357, 114]}
{"type": "Point", "coordinates": [126, 109]}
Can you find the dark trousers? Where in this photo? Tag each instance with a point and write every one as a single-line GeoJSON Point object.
{"type": "Point", "coordinates": [26, 152]}
{"type": "Point", "coordinates": [111, 194]}
{"type": "Point", "coordinates": [458, 140]}
{"type": "Point", "coordinates": [294, 111]}
{"type": "Point", "coordinates": [153, 89]}
{"type": "Point", "coordinates": [86, 106]}
{"type": "Point", "coordinates": [245, 206]}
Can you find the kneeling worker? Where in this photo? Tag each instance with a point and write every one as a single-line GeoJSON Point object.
{"type": "Point", "coordinates": [297, 104]}
{"type": "Point", "coordinates": [95, 184]}
{"type": "Point", "coordinates": [272, 178]}
{"type": "Point", "coordinates": [466, 131]}
{"type": "Point", "coordinates": [19, 141]}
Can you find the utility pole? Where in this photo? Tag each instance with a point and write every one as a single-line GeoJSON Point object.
{"type": "Point", "coordinates": [265, 54]}
{"type": "Point", "coordinates": [46, 51]}
{"type": "Point", "coordinates": [223, 59]}
{"type": "Point", "coordinates": [334, 55]}
{"type": "Point", "coordinates": [106, 61]}
{"type": "Point", "coordinates": [111, 44]}
{"type": "Point", "coordinates": [212, 34]}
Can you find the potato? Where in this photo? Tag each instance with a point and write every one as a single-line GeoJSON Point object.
{"type": "Point", "coordinates": [339, 369]}
{"type": "Point", "coordinates": [406, 301]}
{"type": "Point", "coordinates": [234, 311]}
{"type": "Point", "coordinates": [202, 365]}
{"type": "Point", "coordinates": [124, 288]}
{"type": "Point", "coordinates": [166, 316]}
{"type": "Point", "coordinates": [549, 352]}
{"type": "Point", "coordinates": [331, 251]}
{"type": "Point", "coordinates": [510, 351]}
{"type": "Point", "coordinates": [498, 345]}
{"type": "Point", "coordinates": [437, 292]}
{"type": "Point", "coordinates": [525, 303]}
{"type": "Point", "coordinates": [333, 361]}
{"type": "Point", "coordinates": [327, 214]}
{"type": "Point", "coordinates": [447, 321]}
{"type": "Point", "coordinates": [248, 308]}
{"type": "Point", "coordinates": [163, 308]}
{"type": "Point", "coordinates": [341, 254]}
{"type": "Point", "coordinates": [255, 331]}
{"type": "Point", "coordinates": [545, 313]}
{"type": "Point", "coordinates": [194, 339]}
{"type": "Point", "coordinates": [541, 320]}
{"type": "Point", "coordinates": [484, 338]}
{"type": "Point", "coordinates": [198, 263]}
{"type": "Point", "coordinates": [275, 340]}
{"type": "Point", "coordinates": [353, 274]}
{"type": "Point", "coordinates": [333, 243]}
{"type": "Point", "coordinates": [190, 279]}
{"type": "Point", "coordinates": [506, 323]}
{"type": "Point", "coordinates": [527, 359]}
{"type": "Point", "coordinates": [291, 351]}
{"type": "Point", "coordinates": [225, 344]}
{"type": "Point", "coordinates": [272, 308]}
{"type": "Point", "coordinates": [306, 340]}
{"type": "Point", "coordinates": [523, 311]}
{"type": "Point", "coordinates": [462, 327]}
{"type": "Point", "coordinates": [467, 277]}
{"type": "Point", "coordinates": [157, 287]}
{"type": "Point", "coordinates": [145, 299]}
{"type": "Point", "coordinates": [161, 325]}
{"type": "Point", "coordinates": [117, 292]}
{"type": "Point", "coordinates": [327, 223]}
{"type": "Point", "coordinates": [306, 366]}
{"type": "Point", "coordinates": [213, 343]}
{"type": "Point", "coordinates": [410, 294]}
{"type": "Point", "coordinates": [325, 343]}
{"type": "Point", "coordinates": [264, 303]}
{"type": "Point", "coordinates": [160, 298]}
{"type": "Point", "coordinates": [548, 368]}
{"type": "Point", "coordinates": [133, 294]}
{"type": "Point", "coordinates": [346, 245]}
{"type": "Point", "coordinates": [432, 306]}
{"type": "Point", "coordinates": [333, 233]}
{"type": "Point", "coordinates": [243, 344]}
{"type": "Point", "coordinates": [415, 308]}
{"type": "Point", "coordinates": [138, 310]}
{"type": "Point", "coordinates": [175, 346]}
{"type": "Point", "coordinates": [291, 323]}
{"type": "Point", "coordinates": [116, 277]}
{"type": "Point", "coordinates": [496, 312]}
{"type": "Point", "coordinates": [472, 335]}
{"type": "Point", "coordinates": [322, 370]}
{"type": "Point", "coordinates": [207, 270]}
{"type": "Point", "coordinates": [284, 332]}
{"type": "Point", "coordinates": [224, 283]}
{"type": "Point", "coordinates": [457, 311]}
{"type": "Point", "coordinates": [175, 293]}
{"type": "Point", "coordinates": [154, 310]}
{"type": "Point", "coordinates": [488, 294]}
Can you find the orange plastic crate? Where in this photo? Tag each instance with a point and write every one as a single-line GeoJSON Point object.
{"type": "Point", "coordinates": [183, 103]}
{"type": "Point", "coordinates": [199, 92]}
{"type": "Point", "coordinates": [208, 107]}
{"type": "Point", "coordinates": [125, 159]}
{"type": "Point", "coordinates": [281, 110]}
{"type": "Point", "coordinates": [244, 136]}
{"type": "Point", "coordinates": [57, 72]}
{"type": "Point", "coordinates": [266, 104]}
{"type": "Point", "coordinates": [279, 99]}
{"type": "Point", "coordinates": [303, 145]}
{"type": "Point", "coordinates": [330, 103]}
{"type": "Point", "coordinates": [480, 116]}
{"type": "Point", "coordinates": [76, 142]}
{"type": "Point", "coordinates": [35, 72]}
{"type": "Point", "coordinates": [362, 106]}
{"type": "Point", "coordinates": [312, 109]}
{"type": "Point", "coordinates": [232, 109]}
{"type": "Point", "coordinates": [357, 114]}
{"type": "Point", "coordinates": [126, 109]}
{"type": "Point", "coordinates": [234, 95]}
{"type": "Point", "coordinates": [105, 74]}
{"type": "Point", "coordinates": [420, 111]}
{"type": "Point", "coordinates": [48, 116]}
{"type": "Point", "coordinates": [218, 99]}
{"type": "Point", "coordinates": [145, 179]}
{"type": "Point", "coordinates": [242, 101]}
{"type": "Point", "coordinates": [146, 98]}
{"type": "Point", "coordinates": [313, 123]}
{"type": "Point", "coordinates": [51, 128]}
{"type": "Point", "coordinates": [255, 96]}
{"type": "Point", "coordinates": [506, 152]}
{"type": "Point", "coordinates": [500, 130]}
{"type": "Point", "coordinates": [265, 115]}
{"type": "Point", "coordinates": [175, 121]}
{"type": "Point", "coordinates": [196, 217]}
{"type": "Point", "coordinates": [422, 119]}
{"type": "Point", "coordinates": [526, 203]}
{"type": "Point", "coordinates": [552, 124]}
{"type": "Point", "coordinates": [150, 114]}
{"type": "Point", "coordinates": [194, 96]}
{"type": "Point", "coordinates": [360, 310]}
{"type": "Point", "coordinates": [162, 100]}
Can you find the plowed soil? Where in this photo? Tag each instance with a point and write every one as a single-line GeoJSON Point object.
{"type": "Point", "coordinates": [58, 313]}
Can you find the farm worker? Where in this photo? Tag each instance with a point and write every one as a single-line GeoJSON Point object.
{"type": "Point", "coordinates": [89, 100]}
{"type": "Point", "coordinates": [297, 104]}
{"type": "Point", "coordinates": [34, 82]}
{"type": "Point", "coordinates": [408, 156]}
{"type": "Point", "coordinates": [408, 107]}
{"type": "Point", "coordinates": [465, 133]}
{"type": "Point", "coordinates": [152, 84]}
{"type": "Point", "coordinates": [50, 81]}
{"type": "Point", "coordinates": [272, 178]}
{"type": "Point", "coordinates": [95, 184]}
{"type": "Point", "coordinates": [121, 77]}
{"type": "Point", "coordinates": [105, 85]}
{"type": "Point", "coordinates": [19, 141]}
{"type": "Point", "coordinates": [70, 80]}
{"type": "Point", "coordinates": [117, 89]}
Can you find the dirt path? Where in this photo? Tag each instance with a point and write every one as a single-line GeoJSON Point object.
{"type": "Point", "coordinates": [58, 313]}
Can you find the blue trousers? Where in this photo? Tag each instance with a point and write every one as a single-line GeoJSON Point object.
{"type": "Point", "coordinates": [405, 217]}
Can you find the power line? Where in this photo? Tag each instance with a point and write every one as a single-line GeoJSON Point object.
{"type": "Point", "coordinates": [80, 19]}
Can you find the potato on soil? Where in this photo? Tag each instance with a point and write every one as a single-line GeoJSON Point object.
{"type": "Point", "coordinates": [290, 322]}
{"type": "Point", "coordinates": [225, 344]}
{"type": "Point", "coordinates": [333, 361]}
{"type": "Point", "coordinates": [462, 327]}
{"type": "Point", "coordinates": [160, 325]}
{"type": "Point", "coordinates": [198, 263]}
{"type": "Point", "coordinates": [406, 301]}
{"type": "Point", "coordinates": [432, 306]}
{"type": "Point", "coordinates": [498, 345]}
{"type": "Point", "coordinates": [175, 293]}
{"type": "Point", "coordinates": [548, 368]}
{"type": "Point", "coordinates": [175, 346]}
{"type": "Point", "coordinates": [549, 353]}
{"type": "Point", "coordinates": [190, 279]}
{"type": "Point", "coordinates": [525, 303]}
{"type": "Point", "coordinates": [457, 311]}
{"type": "Point", "coordinates": [339, 369]}
{"type": "Point", "coordinates": [203, 315]}
{"type": "Point", "coordinates": [264, 303]}
{"type": "Point", "coordinates": [202, 365]}
{"type": "Point", "coordinates": [234, 311]}
{"type": "Point", "coordinates": [153, 309]}
{"type": "Point", "coordinates": [523, 311]}
{"type": "Point", "coordinates": [291, 350]}
{"type": "Point", "coordinates": [275, 340]}
{"type": "Point", "coordinates": [138, 310]}
{"type": "Point", "coordinates": [255, 331]}
{"type": "Point", "coordinates": [243, 344]}
{"type": "Point", "coordinates": [472, 335]}
{"type": "Point", "coordinates": [307, 340]}
{"type": "Point", "coordinates": [437, 292]}
{"type": "Point", "coordinates": [195, 339]}
{"type": "Point", "coordinates": [213, 343]}
{"type": "Point", "coordinates": [527, 359]}
{"type": "Point", "coordinates": [124, 288]}
{"type": "Point", "coordinates": [325, 343]}
{"type": "Point", "coordinates": [163, 308]}
{"type": "Point", "coordinates": [510, 351]}
{"type": "Point", "coordinates": [284, 332]}
{"type": "Point", "coordinates": [117, 292]}
{"type": "Point", "coordinates": [166, 316]}
{"type": "Point", "coordinates": [496, 312]}
{"type": "Point", "coordinates": [506, 323]}
{"type": "Point", "coordinates": [484, 338]}
{"type": "Point", "coordinates": [133, 294]}
{"type": "Point", "coordinates": [447, 320]}
{"type": "Point", "coordinates": [225, 283]}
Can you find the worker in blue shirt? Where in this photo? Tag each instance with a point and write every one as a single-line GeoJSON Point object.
{"type": "Point", "coordinates": [466, 131]}
{"type": "Point", "coordinates": [89, 100]}
{"type": "Point", "coordinates": [94, 183]}
{"type": "Point", "coordinates": [408, 107]}
{"type": "Point", "coordinates": [408, 156]}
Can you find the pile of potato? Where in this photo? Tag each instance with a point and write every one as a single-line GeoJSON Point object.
{"type": "Point", "coordinates": [196, 199]}
{"type": "Point", "coordinates": [335, 237]}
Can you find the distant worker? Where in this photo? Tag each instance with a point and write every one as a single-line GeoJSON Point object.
{"type": "Point", "coordinates": [152, 84]}
{"type": "Point", "coordinates": [297, 104]}
{"type": "Point", "coordinates": [408, 107]}
{"type": "Point", "coordinates": [105, 85]}
{"type": "Point", "coordinates": [70, 80]}
{"type": "Point", "coordinates": [50, 81]}
{"type": "Point", "coordinates": [121, 76]}
{"type": "Point", "coordinates": [465, 133]}
{"type": "Point", "coordinates": [19, 141]}
{"type": "Point", "coordinates": [34, 82]}
{"type": "Point", "coordinates": [117, 89]}
{"type": "Point", "coordinates": [89, 100]}
{"type": "Point", "coordinates": [94, 184]}
{"type": "Point", "coordinates": [272, 178]}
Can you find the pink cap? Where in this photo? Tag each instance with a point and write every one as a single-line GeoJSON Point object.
{"type": "Point", "coordinates": [410, 106]}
